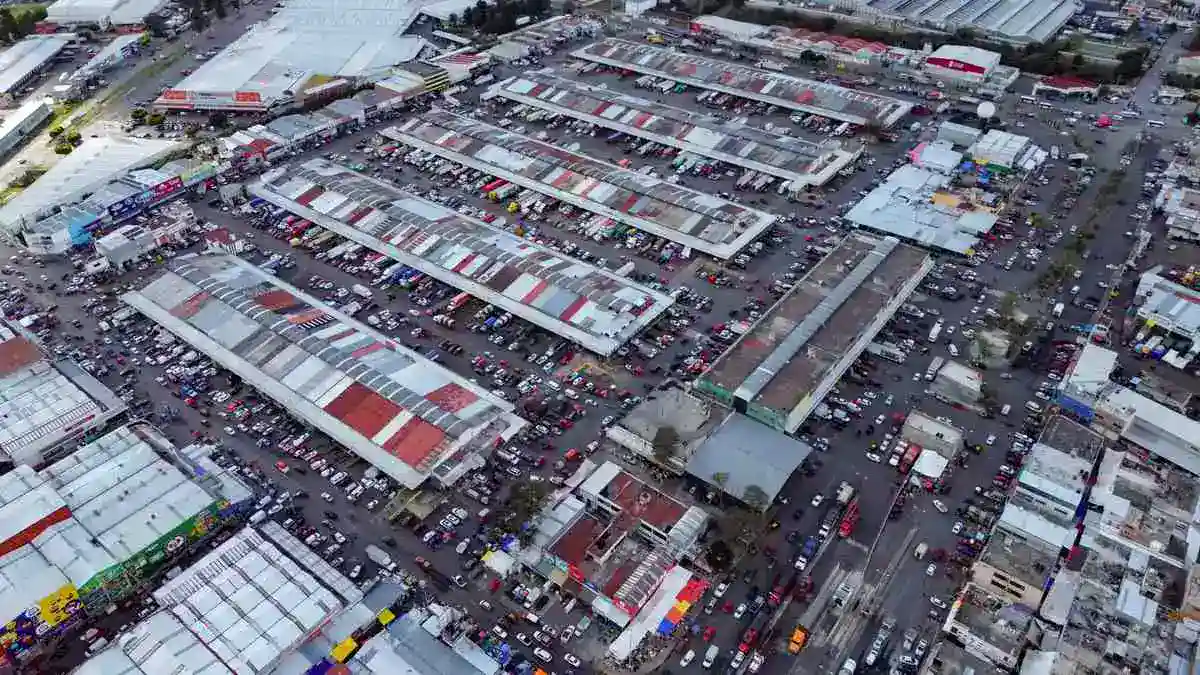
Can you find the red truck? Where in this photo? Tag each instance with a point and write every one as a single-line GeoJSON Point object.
{"type": "Point", "coordinates": [849, 520]}
{"type": "Point", "coordinates": [910, 456]}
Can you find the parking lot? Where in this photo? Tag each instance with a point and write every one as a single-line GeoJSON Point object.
{"type": "Point", "coordinates": [919, 539]}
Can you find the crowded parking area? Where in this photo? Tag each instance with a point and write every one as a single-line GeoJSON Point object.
{"type": "Point", "coordinates": [639, 363]}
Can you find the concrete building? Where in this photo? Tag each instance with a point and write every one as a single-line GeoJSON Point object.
{"type": "Point", "coordinates": [147, 234]}
{"type": "Point", "coordinates": [917, 206]}
{"type": "Point", "coordinates": [22, 123]}
{"type": "Point", "coordinates": [687, 217]}
{"type": "Point", "coordinates": [91, 529]}
{"type": "Point", "coordinates": [1181, 205]}
{"type": "Point", "coordinates": [688, 417]}
{"type": "Point", "coordinates": [25, 59]}
{"type": "Point", "coordinates": [960, 135]}
{"type": "Point", "coordinates": [796, 161]}
{"type": "Point", "coordinates": [593, 307]}
{"type": "Point", "coordinates": [1004, 152]}
{"type": "Point", "coordinates": [779, 371]}
{"type": "Point", "coordinates": [612, 541]}
{"type": "Point", "coordinates": [398, 411]}
{"type": "Point", "coordinates": [931, 434]}
{"type": "Point", "coordinates": [1171, 308]}
{"type": "Point", "coordinates": [1157, 431]}
{"type": "Point", "coordinates": [853, 106]}
{"type": "Point", "coordinates": [960, 63]}
{"type": "Point", "coordinates": [46, 404]}
{"type": "Point", "coordinates": [958, 384]}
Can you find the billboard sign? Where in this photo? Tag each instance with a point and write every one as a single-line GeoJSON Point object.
{"type": "Point", "coordinates": [167, 188]}
{"type": "Point", "coordinates": [40, 620]}
{"type": "Point", "coordinates": [125, 207]}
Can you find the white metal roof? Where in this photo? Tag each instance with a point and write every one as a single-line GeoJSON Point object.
{"type": "Point", "coordinates": [95, 162]}
{"type": "Point", "coordinates": [114, 12]}
{"type": "Point", "coordinates": [159, 645]}
{"type": "Point", "coordinates": [1000, 148]}
{"type": "Point", "coordinates": [685, 216]}
{"type": "Point", "coordinates": [394, 408]}
{"type": "Point", "coordinates": [901, 206]}
{"type": "Point", "coordinates": [973, 55]}
{"type": "Point", "coordinates": [594, 307]}
{"type": "Point", "coordinates": [249, 602]}
{"type": "Point", "coordinates": [307, 38]}
{"type": "Point", "coordinates": [19, 61]}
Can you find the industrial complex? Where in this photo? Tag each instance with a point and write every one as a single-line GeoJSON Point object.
{"type": "Point", "coordinates": [398, 411]}
{"type": "Point", "coordinates": [799, 162]}
{"type": "Point", "coordinates": [693, 219]}
{"type": "Point", "coordinates": [782, 368]}
{"type": "Point", "coordinates": [755, 84]}
{"type": "Point", "coordinates": [599, 310]}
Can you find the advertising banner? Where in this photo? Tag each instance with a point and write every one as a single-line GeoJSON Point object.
{"type": "Point", "coordinates": [198, 174]}
{"type": "Point", "coordinates": [167, 188]}
{"type": "Point", "coordinates": [40, 620]}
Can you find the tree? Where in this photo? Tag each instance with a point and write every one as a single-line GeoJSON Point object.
{"type": "Point", "coordinates": [74, 137]}
{"type": "Point", "coordinates": [756, 498]}
{"type": "Point", "coordinates": [666, 440]}
{"type": "Point", "coordinates": [1008, 306]}
{"type": "Point", "coordinates": [720, 480]}
{"type": "Point", "coordinates": [9, 30]}
{"type": "Point", "coordinates": [63, 148]}
{"type": "Point", "coordinates": [1077, 61]}
{"type": "Point", "coordinates": [452, 19]}
{"type": "Point", "coordinates": [219, 9]}
{"type": "Point", "coordinates": [55, 131]}
{"type": "Point", "coordinates": [828, 23]}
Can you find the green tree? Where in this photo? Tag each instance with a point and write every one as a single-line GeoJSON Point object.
{"type": "Point", "coordinates": [756, 498]}
{"type": "Point", "coordinates": [1008, 306]}
{"type": "Point", "coordinates": [666, 440]}
{"type": "Point", "coordinates": [452, 19]}
{"type": "Point", "coordinates": [74, 137]}
{"type": "Point", "coordinates": [63, 148]}
{"type": "Point", "coordinates": [137, 115]}
{"type": "Point", "coordinates": [9, 30]}
{"type": "Point", "coordinates": [55, 131]}
{"type": "Point", "coordinates": [219, 9]}
{"type": "Point", "coordinates": [1077, 61]}
{"type": "Point", "coordinates": [720, 480]}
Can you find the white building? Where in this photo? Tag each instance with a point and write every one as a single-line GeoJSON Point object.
{"type": "Point", "coordinates": [958, 384]}
{"type": "Point", "coordinates": [147, 234]}
{"type": "Point", "coordinates": [1170, 307]}
{"type": "Point", "coordinates": [21, 123]}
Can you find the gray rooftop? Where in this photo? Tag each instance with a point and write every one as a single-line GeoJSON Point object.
{"type": "Point", "coordinates": [274, 60]}
{"type": "Point", "coordinates": [903, 206]}
{"type": "Point", "coordinates": [787, 157]}
{"type": "Point", "coordinates": [19, 61]}
{"type": "Point", "coordinates": [1022, 20]}
{"type": "Point", "coordinates": [748, 454]}
{"type": "Point", "coordinates": [688, 217]}
{"type": "Point", "coordinates": [1172, 306]}
{"type": "Point", "coordinates": [592, 306]}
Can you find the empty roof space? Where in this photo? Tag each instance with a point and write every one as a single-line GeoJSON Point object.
{"type": "Point", "coordinates": [749, 368]}
{"type": "Point", "coordinates": [702, 221]}
{"type": "Point", "coordinates": [706, 135]}
{"type": "Point", "coordinates": [597, 309]}
{"type": "Point", "coordinates": [786, 91]}
{"type": "Point", "coordinates": [394, 408]}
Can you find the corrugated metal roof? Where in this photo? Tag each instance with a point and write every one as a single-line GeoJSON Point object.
{"type": "Point", "coordinates": [533, 282]}
{"type": "Point", "coordinates": [20, 61]}
{"type": "Point", "coordinates": [832, 101]}
{"type": "Point", "coordinates": [390, 405]}
{"type": "Point", "coordinates": [815, 321]}
{"type": "Point", "coordinates": [159, 645]}
{"type": "Point", "coordinates": [787, 157]}
{"type": "Point", "coordinates": [691, 218]}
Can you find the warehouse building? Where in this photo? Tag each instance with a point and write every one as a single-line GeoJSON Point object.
{"type": "Point", "coordinates": [398, 411]}
{"type": "Point", "coordinates": [306, 49]}
{"type": "Point", "coordinates": [1016, 20]}
{"type": "Point", "coordinates": [46, 404]}
{"type": "Point", "coordinates": [20, 124]}
{"type": "Point", "coordinates": [791, 93]}
{"type": "Point", "coordinates": [20, 63]}
{"type": "Point", "coordinates": [798, 162]}
{"type": "Point", "coordinates": [107, 14]}
{"type": "Point", "coordinates": [88, 530]}
{"type": "Point", "coordinates": [690, 218]}
{"type": "Point", "coordinates": [790, 359]}
{"type": "Point", "coordinates": [593, 307]}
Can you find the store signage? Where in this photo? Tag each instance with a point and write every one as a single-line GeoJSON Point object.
{"type": "Point", "coordinates": [167, 188]}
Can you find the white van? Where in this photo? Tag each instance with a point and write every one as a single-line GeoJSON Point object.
{"type": "Point", "coordinates": [1033, 407]}
{"type": "Point", "coordinates": [710, 656]}
{"type": "Point", "coordinates": [1006, 409]}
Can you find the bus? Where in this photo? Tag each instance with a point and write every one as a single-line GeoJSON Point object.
{"type": "Point", "coordinates": [935, 331]}
{"type": "Point", "coordinates": [457, 301]}
{"type": "Point", "coordinates": [494, 185]}
{"type": "Point", "coordinates": [887, 351]}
